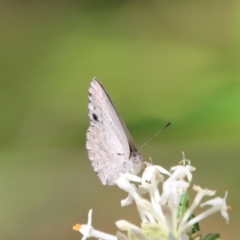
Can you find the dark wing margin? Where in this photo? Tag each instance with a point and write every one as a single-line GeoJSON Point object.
{"type": "Point", "coordinates": [132, 146]}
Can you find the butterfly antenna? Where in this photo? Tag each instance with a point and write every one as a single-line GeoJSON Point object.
{"type": "Point", "coordinates": [151, 138]}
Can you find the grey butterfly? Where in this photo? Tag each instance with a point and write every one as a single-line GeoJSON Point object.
{"type": "Point", "coordinates": [110, 146]}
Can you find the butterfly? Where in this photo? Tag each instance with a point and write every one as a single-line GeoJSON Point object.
{"type": "Point", "coordinates": [111, 149]}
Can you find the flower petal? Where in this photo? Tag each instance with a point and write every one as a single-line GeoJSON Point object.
{"type": "Point", "coordinates": [138, 233]}
{"type": "Point", "coordinates": [125, 225]}
{"type": "Point", "coordinates": [121, 236]}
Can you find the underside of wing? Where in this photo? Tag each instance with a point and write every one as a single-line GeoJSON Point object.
{"type": "Point", "coordinates": [108, 142]}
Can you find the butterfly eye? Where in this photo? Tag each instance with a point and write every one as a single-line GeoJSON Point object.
{"type": "Point", "coordinates": [137, 157]}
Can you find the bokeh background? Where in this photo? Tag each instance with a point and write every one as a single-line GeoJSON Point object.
{"type": "Point", "coordinates": [160, 61]}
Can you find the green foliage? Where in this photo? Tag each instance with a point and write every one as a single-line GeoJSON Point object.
{"type": "Point", "coordinates": [183, 205]}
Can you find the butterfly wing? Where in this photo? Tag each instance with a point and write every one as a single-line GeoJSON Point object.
{"type": "Point", "coordinates": [109, 143]}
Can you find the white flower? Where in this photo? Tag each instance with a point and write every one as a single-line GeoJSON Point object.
{"type": "Point", "coordinates": [166, 216]}
{"type": "Point", "coordinates": [172, 191]}
{"type": "Point", "coordinates": [88, 231]}
{"type": "Point", "coordinates": [218, 204]}
{"type": "Point", "coordinates": [151, 170]}
{"type": "Point", "coordinates": [124, 183]}
{"type": "Point", "coordinates": [184, 224]}
{"type": "Point", "coordinates": [125, 225]}
{"type": "Point", "coordinates": [180, 172]}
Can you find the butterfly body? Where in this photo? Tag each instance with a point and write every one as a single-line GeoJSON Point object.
{"type": "Point", "coordinates": [111, 149]}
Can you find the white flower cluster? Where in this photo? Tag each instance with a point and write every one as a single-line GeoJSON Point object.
{"type": "Point", "coordinates": [165, 216]}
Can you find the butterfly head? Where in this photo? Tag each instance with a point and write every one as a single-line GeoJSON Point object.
{"type": "Point", "coordinates": [136, 159]}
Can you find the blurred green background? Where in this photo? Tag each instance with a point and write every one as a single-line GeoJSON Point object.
{"type": "Point", "coordinates": [160, 61]}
